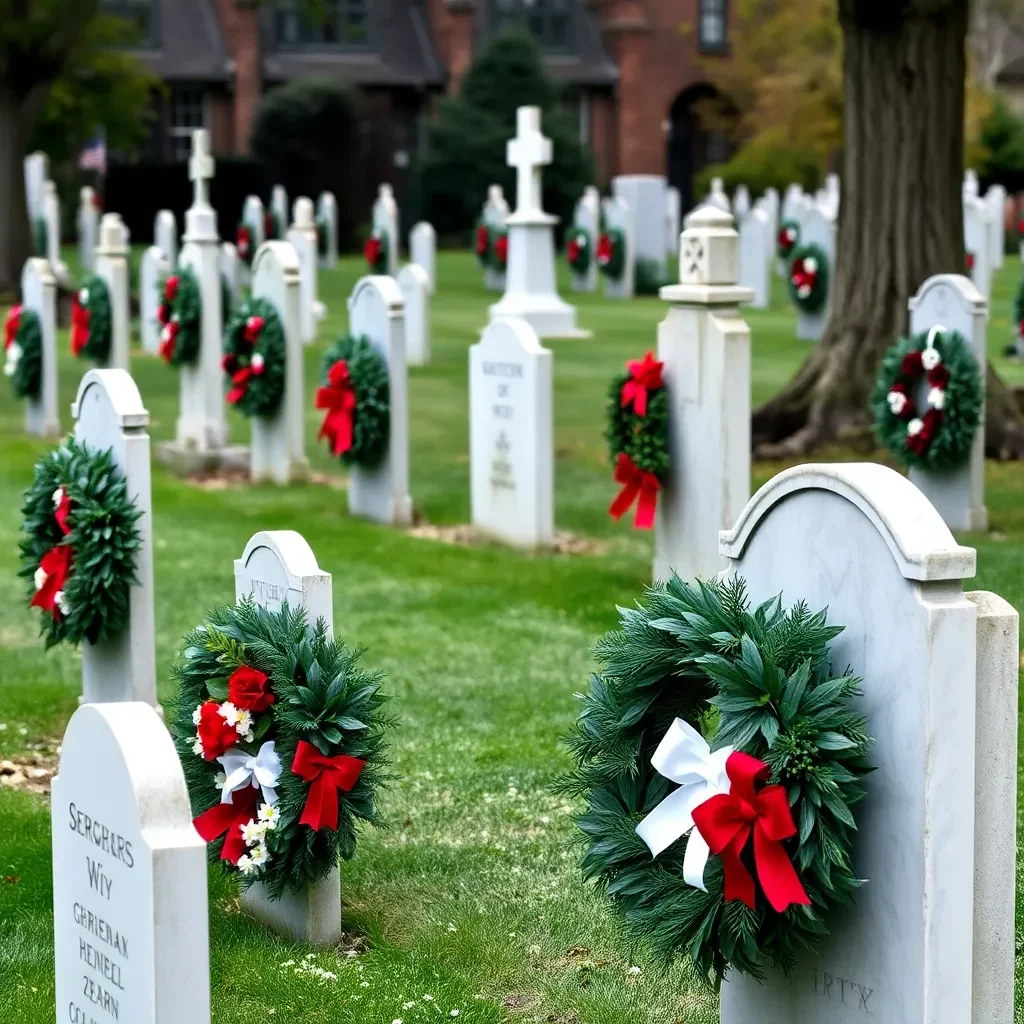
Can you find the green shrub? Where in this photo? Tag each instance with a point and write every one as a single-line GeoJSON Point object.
{"type": "Point", "coordinates": [1002, 139]}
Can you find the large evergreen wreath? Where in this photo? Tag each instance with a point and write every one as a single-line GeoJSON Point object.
{"type": "Point", "coordinates": [808, 277]}
{"type": "Point", "coordinates": [742, 709]}
{"type": "Point", "coordinates": [281, 734]}
{"type": "Point", "coordinates": [578, 250]}
{"type": "Point", "coordinates": [356, 394]}
{"type": "Point", "coordinates": [611, 253]}
{"type": "Point", "coordinates": [788, 239]}
{"type": "Point", "coordinates": [939, 365]}
{"type": "Point", "coordinates": [80, 538]}
{"type": "Point", "coordinates": [180, 317]}
{"type": "Point", "coordinates": [23, 349]}
{"type": "Point", "coordinates": [254, 358]}
{"type": "Point", "coordinates": [637, 435]}
{"type": "Point", "coordinates": [91, 320]}
{"type": "Point", "coordinates": [375, 252]}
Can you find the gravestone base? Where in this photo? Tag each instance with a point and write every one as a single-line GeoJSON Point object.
{"type": "Point", "coordinates": [312, 915]}
{"type": "Point", "coordinates": [952, 499]}
{"type": "Point", "coordinates": [184, 459]}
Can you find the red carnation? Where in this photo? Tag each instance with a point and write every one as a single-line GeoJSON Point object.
{"type": "Point", "coordinates": [938, 376]}
{"type": "Point", "coordinates": [248, 688]}
{"type": "Point", "coordinates": [931, 421]}
{"type": "Point", "coordinates": [215, 734]}
{"type": "Point", "coordinates": [171, 287]}
{"type": "Point", "coordinates": [912, 365]}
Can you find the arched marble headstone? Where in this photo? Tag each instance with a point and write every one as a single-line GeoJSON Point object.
{"type": "Point", "coordinates": [153, 268]}
{"type": "Point", "coordinates": [112, 266]}
{"type": "Point", "coordinates": [423, 251]}
{"type": "Point", "coordinates": [495, 213]}
{"type": "Point", "coordinates": [165, 235]}
{"type": "Point", "coordinates": [587, 216]}
{"type": "Point", "coordinates": [252, 217]}
{"type": "Point", "coordinates": [39, 293]}
{"type": "Point", "coordinates": [995, 202]}
{"type": "Point", "coordinates": [415, 285]}
{"type": "Point", "coordinates": [88, 226]}
{"type": "Point", "coordinates": [645, 196]}
{"type": "Point", "coordinates": [279, 207]}
{"type": "Point", "coordinates": [619, 215]}
{"type": "Point", "coordinates": [302, 236]}
{"type": "Point", "coordinates": [755, 258]}
{"type": "Point", "coordinates": [51, 215]}
{"type": "Point", "coordinates": [978, 243]}
{"type": "Point", "coordinates": [673, 219]}
{"type": "Point", "coordinates": [385, 221]}
{"type": "Point", "coordinates": [327, 212]}
{"type": "Point", "coordinates": [817, 228]}
{"type": "Point", "coordinates": [230, 273]}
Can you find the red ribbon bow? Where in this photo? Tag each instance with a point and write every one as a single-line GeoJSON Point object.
{"type": "Point", "coordinates": [340, 401]}
{"type": "Point", "coordinates": [645, 376]}
{"type": "Point", "coordinates": [171, 287]}
{"type": "Point", "coordinates": [726, 821]}
{"type": "Point", "coordinates": [327, 777]}
{"type": "Point", "coordinates": [240, 379]}
{"type": "Point", "coordinates": [79, 326]}
{"type": "Point", "coordinates": [605, 250]}
{"type": "Point", "coordinates": [372, 251]}
{"type": "Point", "coordinates": [501, 249]}
{"type": "Point", "coordinates": [800, 276]}
{"type": "Point", "coordinates": [637, 485]}
{"type": "Point", "coordinates": [169, 339]}
{"type": "Point", "coordinates": [11, 325]}
{"type": "Point", "coordinates": [229, 818]}
{"type": "Point", "coordinates": [56, 563]}
{"type": "Point", "coordinates": [573, 250]}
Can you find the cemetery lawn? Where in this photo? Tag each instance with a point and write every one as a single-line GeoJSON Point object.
{"type": "Point", "coordinates": [471, 905]}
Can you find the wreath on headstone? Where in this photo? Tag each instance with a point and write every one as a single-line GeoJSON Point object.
{"type": "Point", "coordinates": [808, 277]}
{"type": "Point", "coordinates": [254, 358]}
{"type": "Point", "coordinates": [80, 537]}
{"type": "Point", "coordinates": [720, 760]}
{"type": "Point", "coordinates": [611, 253]}
{"type": "Point", "coordinates": [935, 434]}
{"type": "Point", "coordinates": [968, 262]}
{"type": "Point", "coordinates": [91, 321]}
{"type": "Point", "coordinates": [637, 435]}
{"type": "Point", "coordinates": [788, 239]}
{"type": "Point", "coordinates": [323, 237]}
{"type": "Point", "coordinates": [23, 349]}
{"type": "Point", "coordinates": [244, 243]}
{"type": "Point", "coordinates": [281, 734]}
{"type": "Point", "coordinates": [375, 252]}
{"type": "Point", "coordinates": [578, 250]}
{"type": "Point", "coordinates": [180, 317]}
{"type": "Point", "coordinates": [482, 243]}
{"type": "Point", "coordinates": [355, 393]}
{"type": "Point", "coordinates": [498, 255]}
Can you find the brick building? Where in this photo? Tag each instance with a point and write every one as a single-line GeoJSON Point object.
{"type": "Point", "coordinates": [633, 70]}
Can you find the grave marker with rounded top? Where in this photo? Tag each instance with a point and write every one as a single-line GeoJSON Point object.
{"type": "Point", "coordinates": [376, 310]}
{"type": "Point", "coordinates": [619, 215]}
{"type": "Point", "coordinates": [130, 912]}
{"type": "Point", "coordinates": [278, 566]}
{"type": "Point", "coordinates": [587, 216]}
{"type": "Point", "coordinates": [755, 260]}
{"type": "Point", "coordinates": [740, 201]}
{"type": "Point", "coordinates": [930, 939]}
{"type": "Point", "coordinates": [302, 236]}
{"type": "Point", "coordinates": [645, 196]}
{"type": "Point", "coordinates": [415, 287]}
{"type": "Point", "coordinates": [109, 415]}
{"type": "Point", "coordinates": [165, 235]}
{"type": "Point", "coordinates": [673, 219]}
{"type": "Point", "coordinates": [230, 273]}
{"type": "Point", "coordinates": [978, 242]}
{"type": "Point", "coordinates": [384, 221]}
{"type": "Point", "coordinates": [88, 226]}
{"type": "Point", "coordinates": [817, 228]}
{"type": "Point", "coordinates": [153, 268]}
{"type": "Point", "coordinates": [112, 266]}
{"type": "Point", "coordinates": [51, 215]}
{"type": "Point", "coordinates": [39, 293]}
{"type": "Point", "coordinates": [252, 217]}
{"type": "Point", "coordinates": [495, 214]}
{"type": "Point", "coordinates": [37, 171]}
{"type": "Point", "coordinates": [279, 206]}
{"type": "Point", "coordinates": [423, 251]}
{"type": "Point", "coordinates": [327, 211]}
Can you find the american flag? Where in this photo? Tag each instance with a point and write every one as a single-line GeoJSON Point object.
{"type": "Point", "coordinates": [94, 156]}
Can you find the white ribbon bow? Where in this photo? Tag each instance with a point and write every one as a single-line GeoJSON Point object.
{"type": "Point", "coordinates": [242, 769]}
{"type": "Point", "coordinates": [684, 756]}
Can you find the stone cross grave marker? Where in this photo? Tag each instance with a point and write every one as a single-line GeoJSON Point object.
{"type": "Point", "coordinates": [376, 310]}
{"type": "Point", "coordinates": [37, 171]}
{"type": "Point", "coordinates": [112, 266]}
{"type": "Point", "coordinates": [153, 268]}
{"type": "Point", "coordinates": [673, 220]}
{"type": "Point", "coordinates": [415, 287]}
{"type": "Point", "coordinates": [109, 415]}
{"type": "Point", "coordinates": [385, 223]}
{"type": "Point", "coordinates": [587, 217]}
{"type": "Point", "coordinates": [705, 346]}
{"type": "Point", "coordinates": [302, 236]}
{"type": "Point", "coordinates": [645, 196]}
{"type": "Point", "coordinates": [279, 207]}
{"type": "Point", "coordinates": [817, 228]}
{"type": "Point", "coordinates": [511, 435]}
{"type": "Point", "coordinates": [423, 251]}
{"type": "Point", "coordinates": [278, 445]}
{"type": "Point", "coordinates": [619, 215]}
{"type": "Point", "coordinates": [529, 152]}
{"type": "Point", "coordinates": [951, 301]}
{"type": "Point", "coordinates": [88, 226]}
{"type": "Point", "coordinates": [930, 939]}
{"type": "Point", "coordinates": [978, 243]}
{"type": "Point", "coordinates": [165, 235]}
{"type": "Point", "coordinates": [495, 214]}
{"type": "Point", "coordinates": [51, 216]}
{"type": "Point", "coordinates": [130, 915]}
{"type": "Point", "coordinates": [755, 261]}
{"type": "Point", "coordinates": [278, 566]}
{"type": "Point", "coordinates": [39, 294]}
{"type": "Point", "coordinates": [327, 212]}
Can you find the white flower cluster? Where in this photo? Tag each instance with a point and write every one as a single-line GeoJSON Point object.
{"type": "Point", "coordinates": [83, 296]}
{"type": "Point", "coordinates": [256, 363]}
{"type": "Point", "coordinates": [254, 833]}
{"type": "Point", "coordinates": [14, 354]}
{"type": "Point", "coordinates": [238, 717]}
{"type": "Point", "coordinates": [915, 426]}
{"type": "Point", "coordinates": [897, 402]}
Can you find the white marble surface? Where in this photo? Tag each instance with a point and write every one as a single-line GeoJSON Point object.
{"type": "Point", "coordinates": [165, 235]}
{"type": "Point", "coordinates": [51, 214]}
{"type": "Point", "coordinates": [415, 286]}
{"type": "Point", "coordinates": [327, 209]}
{"type": "Point", "coordinates": [619, 215]}
{"type": "Point", "coordinates": [495, 213]}
{"type": "Point", "coordinates": [252, 215]}
{"type": "Point", "coordinates": [673, 219]}
{"type": "Point", "coordinates": [88, 225]}
{"type": "Point", "coordinates": [645, 195]}
{"type": "Point", "coordinates": [717, 196]}
{"type": "Point", "coordinates": [588, 216]}
{"type": "Point", "coordinates": [230, 272]}
{"type": "Point", "coordinates": [302, 236]}
{"type": "Point", "coordinates": [130, 914]}
{"type": "Point", "coordinates": [385, 222]}
{"type": "Point", "coordinates": [153, 268]}
{"type": "Point", "coordinates": [741, 202]}
{"type": "Point", "coordinates": [756, 256]}
{"type": "Point", "coordinates": [995, 201]}
{"type": "Point", "coordinates": [817, 228]}
{"type": "Point", "coordinates": [280, 208]}
{"type": "Point", "coordinates": [978, 243]}
{"type": "Point", "coordinates": [37, 170]}
{"type": "Point", "coordinates": [423, 251]}
{"type": "Point", "coordinates": [112, 266]}
{"type": "Point", "coordinates": [39, 293]}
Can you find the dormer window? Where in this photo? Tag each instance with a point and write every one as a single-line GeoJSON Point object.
{"type": "Point", "coordinates": [329, 25]}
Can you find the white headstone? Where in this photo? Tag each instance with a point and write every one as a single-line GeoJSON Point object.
{"type": "Point", "coordinates": [230, 274]}
{"type": "Point", "coordinates": [153, 268]}
{"type": "Point", "coordinates": [112, 266]}
{"type": "Point", "coordinates": [385, 223]}
{"type": "Point", "coordinates": [618, 215]}
{"type": "Point", "coordinates": [165, 235]}
{"type": "Point", "coordinates": [375, 310]}
{"type": "Point", "coordinates": [495, 213]}
{"type": "Point", "coordinates": [952, 302]}
{"type": "Point", "coordinates": [770, 200]}
{"type": "Point", "coordinates": [588, 217]}
{"type": "Point", "coordinates": [302, 235]}
{"type": "Point", "coordinates": [645, 196]}
{"type": "Point", "coordinates": [39, 293]}
{"type": "Point", "coordinates": [718, 198]}
{"type": "Point", "coordinates": [705, 346]}
{"type": "Point", "coordinates": [817, 228]}
{"type": "Point", "coordinates": [109, 416]}
{"type": "Point", "coordinates": [130, 916]}
{"type": "Point", "coordinates": [278, 446]}
{"type": "Point", "coordinates": [327, 215]}
{"type": "Point", "coordinates": [252, 216]}
{"type": "Point", "coordinates": [741, 202]}
{"type": "Point", "coordinates": [278, 566]}
{"type": "Point", "coordinates": [423, 251]}
{"type": "Point", "coordinates": [37, 171]}
{"type": "Point", "coordinates": [88, 227]}
{"type": "Point", "coordinates": [530, 287]}
{"type": "Point", "coordinates": [791, 202]}
{"type": "Point", "coordinates": [412, 280]}
{"type": "Point", "coordinates": [755, 258]}
{"type": "Point", "coordinates": [995, 200]}
{"type": "Point", "coordinates": [673, 219]}
{"type": "Point", "coordinates": [279, 207]}
{"type": "Point", "coordinates": [511, 435]}
{"type": "Point", "coordinates": [51, 215]}
{"type": "Point", "coordinates": [970, 185]}
{"type": "Point", "coordinates": [930, 939]}
{"type": "Point", "coordinates": [978, 243]}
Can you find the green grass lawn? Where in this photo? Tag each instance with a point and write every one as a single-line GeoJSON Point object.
{"type": "Point", "coordinates": [472, 900]}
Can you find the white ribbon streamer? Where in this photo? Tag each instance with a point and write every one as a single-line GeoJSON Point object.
{"type": "Point", "coordinates": [684, 756]}
{"type": "Point", "coordinates": [242, 769]}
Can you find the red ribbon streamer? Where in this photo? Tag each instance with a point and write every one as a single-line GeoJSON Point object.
{"type": "Point", "coordinates": [56, 563]}
{"type": "Point", "coordinates": [79, 326]}
{"type": "Point", "coordinates": [229, 818]}
{"type": "Point", "coordinates": [726, 821]}
{"type": "Point", "coordinates": [605, 250]}
{"type": "Point", "coordinates": [11, 325]}
{"type": "Point", "coordinates": [327, 777]}
{"type": "Point", "coordinates": [340, 401]}
{"type": "Point", "coordinates": [637, 485]}
{"type": "Point", "coordinates": [371, 251]}
{"type": "Point", "coordinates": [645, 375]}
{"type": "Point", "coordinates": [168, 343]}
{"type": "Point", "coordinates": [240, 379]}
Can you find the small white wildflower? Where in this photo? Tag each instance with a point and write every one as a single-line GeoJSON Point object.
{"type": "Point", "coordinates": [428, 998]}
{"type": "Point", "coordinates": [364, 984]}
{"type": "Point", "coordinates": [40, 578]}
{"type": "Point", "coordinates": [451, 927]}
{"type": "Point", "coordinates": [409, 1005]}
{"type": "Point", "coordinates": [288, 963]}
{"type": "Point", "coordinates": [245, 864]}
{"type": "Point", "coordinates": [937, 398]}
{"type": "Point", "coordinates": [398, 1020]}
{"type": "Point", "coordinates": [269, 815]}
{"type": "Point", "coordinates": [253, 832]}
{"type": "Point", "coordinates": [634, 970]}
{"type": "Point", "coordinates": [453, 1013]}
{"type": "Point", "coordinates": [914, 427]}
{"type": "Point", "coordinates": [22, 730]}
{"type": "Point", "coordinates": [930, 358]}
{"type": "Point", "coordinates": [258, 856]}
{"type": "Point", "coordinates": [229, 713]}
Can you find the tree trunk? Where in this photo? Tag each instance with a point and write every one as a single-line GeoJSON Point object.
{"type": "Point", "coordinates": [900, 220]}
{"type": "Point", "coordinates": [17, 116]}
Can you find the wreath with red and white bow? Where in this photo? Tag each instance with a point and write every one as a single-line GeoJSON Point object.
{"type": "Point", "coordinates": [579, 250]}
{"type": "Point", "coordinates": [91, 320]}
{"type": "Point", "coordinates": [180, 318]}
{"type": "Point", "coordinates": [23, 351]}
{"type": "Point", "coordinates": [788, 239]}
{"type": "Point", "coordinates": [808, 277]}
{"type": "Point", "coordinates": [254, 358]}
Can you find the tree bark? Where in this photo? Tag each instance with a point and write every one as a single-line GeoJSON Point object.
{"type": "Point", "coordinates": [900, 220]}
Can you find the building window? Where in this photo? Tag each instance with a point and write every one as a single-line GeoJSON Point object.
{"type": "Point", "coordinates": [713, 26]}
{"type": "Point", "coordinates": [142, 15]}
{"type": "Point", "coordinates": [188, 111]}
{"type": "Point", "coordinates": [328, 25]}
{"type": "Point", "coordinates": [552, 22]}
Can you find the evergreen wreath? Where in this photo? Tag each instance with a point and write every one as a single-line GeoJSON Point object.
{"type": "Point", "coordinates": [498, 255]}
{"type": "Point", "coordinates": [693, 659]}
{"type": "Point", "coordinates": [23, 348]}
{"type": "Point", "coordinates": [375, 252]}
{"type": "Point", "coordinates": [254, 358]}
{"type": "Point", "coordinates": [578, 250]}
{"type": "Point", "coordinates": [180, 317]}
{"type": "Point", "coordinates": [91, 320]}
{"type": "Point", "coordinates": [281, 734]}
{"type": "Point", "coordinates": [637, 435]}
{"type": "Point", "coordinates": [787, 240]}
{"type": "Point", "coordinates": [356, 394]}
{"type": "Point", "coordinates": [611, 253]}
{"type": "Point", "coordinates": [482, 243]}
{"type": "Point", "coordinates": [80, 538]}
{"type": "Point", "coordinates": [808, 277]}
{"type": "Point", "coordinates": [244, 243]}
{"type": "Point", "coordinates": [941, 364]}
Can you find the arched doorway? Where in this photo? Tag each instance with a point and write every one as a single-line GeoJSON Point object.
{"type": "Point", "coordinates": [691, 145]}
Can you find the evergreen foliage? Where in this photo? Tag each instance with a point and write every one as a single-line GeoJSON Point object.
{"type": "Point", "coordinates": [643, 438]}
{"type": "Point", "coordinates": [27, 379]}
{"type": "Point", "coordinates": [256, 390]}
{"type": "Point", "coordinates": [185, 309]}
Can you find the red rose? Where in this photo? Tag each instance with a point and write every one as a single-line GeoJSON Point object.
{"type": "Point", "coordinates": [931, 421]}
{"type": "Point", "coordinates": [215, 734]}
{"type": "Point", "coordinates": [938, 376]}
{"type": "Point", "coordinates": [171, 287]}
{"type": "Point", "coordinates": [911, 365]}
{"type": "Point", "coordinates": [248, 689]}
